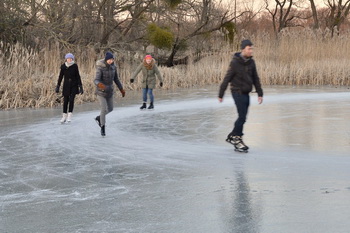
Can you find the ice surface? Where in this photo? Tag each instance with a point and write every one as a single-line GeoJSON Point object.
{"type": "Point", "coordinates": [169, 170]}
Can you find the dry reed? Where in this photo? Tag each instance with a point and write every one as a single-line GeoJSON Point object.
{"type": "Point", "coordinates": [28, 77]}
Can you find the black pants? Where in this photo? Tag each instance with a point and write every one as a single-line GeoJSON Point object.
{"type": "Point", "coordinates": [68, 100]}
{"type": "Point", "coordinates": [242, 102]}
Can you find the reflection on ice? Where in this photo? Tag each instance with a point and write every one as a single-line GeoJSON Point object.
{"type": "Point", "coordinates": [169, 170]}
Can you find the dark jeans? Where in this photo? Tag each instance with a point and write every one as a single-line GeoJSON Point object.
{"type": "Point", "coordinates": [68, 100]}
{"type": "Point", "coordinates": [242, 102]}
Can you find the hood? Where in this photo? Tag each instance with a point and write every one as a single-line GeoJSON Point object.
{"type": "Point", "coordinates": [102, 63]}
{"type": "Point", "coordinates": [240, 59]}
{"type": "Point", "coordinates": [149, 66]}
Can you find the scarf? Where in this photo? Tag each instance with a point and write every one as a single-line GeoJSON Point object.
{"type": "Point", "coordinates": [68, 64]}
{"type": "Point", "coordinates": [149, 66]}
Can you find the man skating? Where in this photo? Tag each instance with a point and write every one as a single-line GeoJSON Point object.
{"type": "Point", "coordinates": [242, 75]}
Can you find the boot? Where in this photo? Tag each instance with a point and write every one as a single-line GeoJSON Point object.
{"type": "Point", "coordinates": [64, 118]}
{"type": "Point", "coordinates": [103, 131]}
{"type": "Point", "coordinates": [151, 107]}
{"type": "Point", "coordinates": [69, 117]}
{"type": "Point", "coordinates": [238, 143]}
{"type": "Point", "coordinates": [98, 121]}
{"type": "Point", "coordinates": [144, 106]}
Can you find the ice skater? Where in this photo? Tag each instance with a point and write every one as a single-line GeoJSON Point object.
{"type": "Point", "coordinates": [71, 86]}
{"type": "Point", "coordinates": [149, 72]}
{"type": "Point", "coordinates": [106, 73]}
{"type": "Point", "coordinates": [242, 75]}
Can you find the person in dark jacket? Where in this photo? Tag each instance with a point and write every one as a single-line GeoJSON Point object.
{"type": "Point", "coordinates": [242, 75]}
{"type": "Point", "coordinates": [149, 72]}
{"type": "Point", "coordinates": [106, 74]}
{"type": "Point", "coordinates": [71, 86]}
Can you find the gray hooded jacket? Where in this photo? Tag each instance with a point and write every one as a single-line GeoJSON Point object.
{"type": "Point", "coordinates": [106, 74]}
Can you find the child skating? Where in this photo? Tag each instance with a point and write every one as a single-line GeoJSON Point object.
{"type": "Point", "coordinates": [71, 86]}
{"type": "Point", "coordinates": [106, 74]}
{"type": "Point", "coordinates": [242, 75]}
{"type": "Point", "coordinates": [149, 72]}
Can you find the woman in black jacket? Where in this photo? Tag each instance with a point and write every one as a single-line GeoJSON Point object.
{"type": "Point", "coordinates": [71, 86]}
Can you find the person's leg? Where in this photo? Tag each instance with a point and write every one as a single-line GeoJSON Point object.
{"type": "Point", "coordinates": [109, 104]}
{"type": "Point", "coordinates": [151, 96]}
{"type": "Point", "coordinates": [71, 102]}
{"type": "Point", "coordinates": [71, 107]}
{"type": "Point", "coordinates": [65, 103]}
{"type": "Point", "coordinates": [144, 94]}
{"type": "Point", "coordinates": [242, 104]}
{"type": "Point", "coordinates": [65, 107]}
{"type": "Point", "coordinates": [107, 108]}
{"type": "Point", "coordinates": [144, 98]}
{"type": "Point", "coordinates": [104, 109]}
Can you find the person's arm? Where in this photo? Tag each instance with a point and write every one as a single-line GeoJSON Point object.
{"type": "Point", "coordinates": [227, 79]}
{"type": "Point", "coordinates": [257, 85]}
{"type": "Point", "coordinates": [137, 71]}
{"type": "Point", "coordinates": [159, 75]}
{"type": "Point", "coordinates": [78, 76]}
{"type": "Point", "coordinates": [60, 77]}
{"type": "Point", "coordinates": [98, 76]}
{"type": "Point", "coordinates": [117, 81]}
{"type": "Point", "coordinates": [80, 85]}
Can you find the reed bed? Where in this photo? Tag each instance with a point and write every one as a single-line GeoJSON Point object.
{"type": "Point", "coordinates": [28, 77]}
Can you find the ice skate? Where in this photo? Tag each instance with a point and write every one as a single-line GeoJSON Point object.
{"type": "Point", "coordinates": [151, 106]}
{"type": "Point", "coordinates": [103, 131]}
{"type": "Point", "coordinates": [238, 143]}
{"type": "Point", "coordinates": [98, 121]}
{"type": "Point", "coordinates": [69, 117]}
{"type": "Point", "coordinates": [64, 118]}
{"type": "Point", "coordinates": [144, 106]}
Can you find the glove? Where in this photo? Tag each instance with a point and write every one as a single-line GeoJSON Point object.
{"type": "Point", "coordinates": [132, 80]}
{"type": "Point", "coordinates": [57, 90]}
{"type": "Point", "coordinates": [101, 86]}
{"type": "Point", "coordinates": [81, 91]}
{"type": "Point", "coordinates": [123, 92]}
{"type": "Point", "coordinates": [161, 84]}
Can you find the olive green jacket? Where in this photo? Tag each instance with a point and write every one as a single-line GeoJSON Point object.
{"type": "Point", "coordinates": [149, 76]}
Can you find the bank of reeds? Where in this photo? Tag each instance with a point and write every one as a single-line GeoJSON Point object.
{"type": "Point", "coordinates": [28, 77]}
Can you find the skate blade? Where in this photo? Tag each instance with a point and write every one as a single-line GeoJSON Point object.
{"type": "Point", "coordinates": [241, 151]}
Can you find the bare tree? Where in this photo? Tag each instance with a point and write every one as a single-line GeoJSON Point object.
{"type": "Point", "coordinates": [280, 14]}
{"type": "Point", "coordinates": [314, 14]}
{"type": "Point", "coordinates": [285, 13]}
{"type": "Point", "coordinates": [338, 12]}
{"type": "Point", "coordinates": [193, 19]}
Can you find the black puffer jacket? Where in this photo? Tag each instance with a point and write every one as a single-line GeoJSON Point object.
{"type": "Point", "coordinates": [71, 80]}
{"type": "Point", "coordinates": [242, 75]}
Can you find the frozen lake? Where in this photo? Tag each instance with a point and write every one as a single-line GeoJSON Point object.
{"type": "Point", "coordinates": [170, 170]}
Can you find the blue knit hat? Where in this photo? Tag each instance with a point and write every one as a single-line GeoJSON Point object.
{"type": "Point", "coordinates": [69, 55]}
{"type": "Point", "coordinates": [108, 56]}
